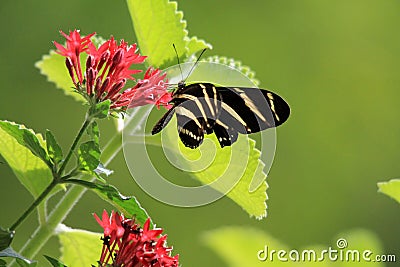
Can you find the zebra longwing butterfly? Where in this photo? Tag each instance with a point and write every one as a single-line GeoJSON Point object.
{"type": "Point", "coordinates": [203, 108]}
{"type": "Point", "coordinates": [227, 111]}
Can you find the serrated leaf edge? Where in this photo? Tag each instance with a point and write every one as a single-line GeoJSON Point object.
{"type": "Point", "coordinates": [235, 64]}
{"type": "Point", "coordinates": [40, 139]}
{"type": "Point", "coordinates": [262, 216]}
{"type": "Point", "coordinates": [38, 65]}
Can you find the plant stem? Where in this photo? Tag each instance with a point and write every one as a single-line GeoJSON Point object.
{"type": "Point", "coordinates": [87, 122]}
{"type": "Point", "coordinates": [66, 203]}
{"type": "Point", "coordinates": [56, 179]}
{"type": "Point", "coordinates": [34, 204]}
{"type": "Point", "coordinates": [59, 213]}
{"type": "Point", "coordinates": [74, 193]}
{"type": "Point", "coordinates": [42, 212]}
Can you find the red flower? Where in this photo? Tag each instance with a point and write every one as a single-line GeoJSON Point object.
{"type": "Point", "coordinates": [75, 46]}
{"type": "Point", "coordinates": [127, 245]}
{"type": "Point", "coordinates": [112, 225]}
{"type": "Point", "coordinates": [150, 90]}
{"type": "Point", "coordinates": [107, 71]}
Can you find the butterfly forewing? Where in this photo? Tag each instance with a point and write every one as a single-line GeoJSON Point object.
{"type": "Point", "coordinates": [163, 121]}
{"type": "Point", "coordinates": [250, 110]}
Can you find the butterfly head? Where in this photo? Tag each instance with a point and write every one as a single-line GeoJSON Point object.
{"type": "Point", "coordinates": [177, 88]}
{"type": "Point", "coordinates": [181, 85]}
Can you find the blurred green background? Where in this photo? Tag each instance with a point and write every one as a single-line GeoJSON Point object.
{"type": "Point", "coordinates": [336, 62]}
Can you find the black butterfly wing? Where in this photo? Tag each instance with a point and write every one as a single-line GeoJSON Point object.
{"type": "Point", "coordinates": [203, 108]}
{"type": "Point", "coordinates": [250, 110]}
{"type": "Point", "coordinates": [198, 106]}
{"type": "Point", "coordinates": [203, 100]}
{"type": "Point", "coordinates": [226, 135]}
{"type": "Point", "coordinates": [165, 119]}
{"type": "Point", "coordinates": [190, 128]}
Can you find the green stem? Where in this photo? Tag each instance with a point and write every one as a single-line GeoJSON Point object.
{"type": "Point", "coordinates": [65, 205]}
{"type": "Point", "coordinates": [42, 212]}
{"type": "Point", "coordinates": [56, 180]}
{"type": "Point", "coordinates": [74, 193]}
{"type": "Point", "coordinates": [87, 122]}
{"type": "Point", "coordinates": [32, 207]}
{"type": "Point", "coordinates": [59, 213]}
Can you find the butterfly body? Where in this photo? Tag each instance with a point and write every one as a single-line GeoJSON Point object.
{"type": "Point", "coordinates": [203, 108]}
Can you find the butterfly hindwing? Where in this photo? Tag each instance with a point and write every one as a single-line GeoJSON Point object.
{"type": "Point", "coordinates": [203, 100]}
{"type": "Point", "coordinates": [226, 135]}
{"type": "Point", "coordinates": [190, 133]}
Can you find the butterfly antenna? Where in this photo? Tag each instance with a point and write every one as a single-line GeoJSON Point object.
{"type": "Point", "coordinates": [179, 64]}
{"type": "Point", "coordinates": [195, 64]}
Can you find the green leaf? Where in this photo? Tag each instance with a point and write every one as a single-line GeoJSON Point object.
{"type": "Point", "coordinates": [23, 263]}
{"type": "Point", "coordinates": [361, 240]}
{"type": "Point", "coordinates": [53, 148]}
{"type": "Point", "coordinates": [100, 110]}
{"type": "Point", "coordinates": [79, 247]}
{"type": "Point", "coordinates": [195, 45]}
{"type": "Point", "coordinates": [30, 170]}
{"type": "Point", "coordinates": [6, 238]}
{"type": "Point", "coordinates": [129, 206]}
{"type": "Point", "coordinates": [236, 64]}
{"type": "Point", "coordinates": [242, 152]}
{"type": "Point", "coordinates": [21, 260]}
{"type": "Point", "coordinates": [27, 138]}
{"type": "Point", "coordinates": [250, 189]}
{"type": "Point", "coordinates": [253, 202]}
{"type": "Point", "coordinates": [53, 67]}
{"type": "Point", "coordinates": [54, 262]}
{"type": "Point", "coordinates": [225, 165]}
{"type": "Point", "coordinates": [94, 132]}
{"type": "Point", "coordinates": [391, 188]}
{"type": "Point", "coordinates": [158, 24]}
{"type": "Point", "coordinates": [89, 156]}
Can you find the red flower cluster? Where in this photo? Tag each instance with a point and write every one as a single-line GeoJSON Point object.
{"type": "Point", "coordinates": [107, 71]}
{"type": "Point", "coordinates": [128, 245]}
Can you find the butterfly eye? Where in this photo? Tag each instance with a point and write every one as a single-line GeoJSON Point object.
{"type": "Point", "coordinates": [181, 85]}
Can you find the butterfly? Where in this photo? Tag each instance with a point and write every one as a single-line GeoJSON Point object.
{"type": "Point", "coordinates": [204, 108]}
